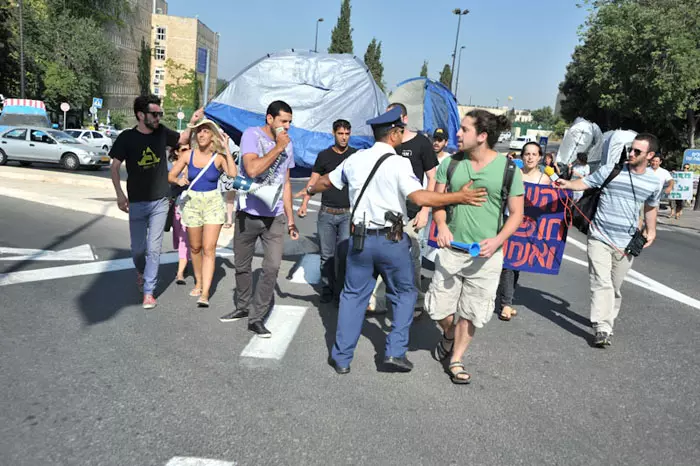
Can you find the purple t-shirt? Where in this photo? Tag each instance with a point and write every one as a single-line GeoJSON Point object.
{"type": "Point", "coordinates": [255, 141]}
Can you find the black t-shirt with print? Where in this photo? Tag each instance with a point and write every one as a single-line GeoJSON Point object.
{"type": "Point", "coordinates": [419, 150]}
{"type": "Point", "coordinates": [146, 162]}
{"type": "Point", "coordinates": [327, 161]}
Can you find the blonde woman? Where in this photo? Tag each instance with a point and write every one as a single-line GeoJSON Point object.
{"type": "Point", "coordinates": [203, 211]}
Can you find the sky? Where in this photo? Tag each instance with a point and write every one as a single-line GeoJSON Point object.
{"type": "Point", "coordinates": [516, 48]}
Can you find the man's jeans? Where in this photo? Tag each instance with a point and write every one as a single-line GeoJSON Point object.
{"type": "Point", "coordinates": [271, 231]}
{"type": "Point", "coordinates": [146, 224]}
{"type": "Point", "coordinates": [332, 230]}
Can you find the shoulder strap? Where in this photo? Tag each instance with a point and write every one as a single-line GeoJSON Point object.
{"type": "Point", "coordinates": [454, 161]}
{"type": "Point", "coordinates": [369, 178]}
{"type": "Point", "coordinates": [201, 172]}
{"type": "Point", "coordinates": [508, 174]}
{"type": "Point", "coordinates": [615, 171]}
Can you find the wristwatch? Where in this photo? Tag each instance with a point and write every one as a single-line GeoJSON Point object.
{"type": "Point", "coordinates": [310, 190]}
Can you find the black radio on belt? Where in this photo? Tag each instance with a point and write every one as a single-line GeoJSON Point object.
{"type": "Point", "coordinates": [396, 231]}
{"type": "Point", "coordinates": [359, 232]}
{"type": "Point", "coordinates": [636, 244]}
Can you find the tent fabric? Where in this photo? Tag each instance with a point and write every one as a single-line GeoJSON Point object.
{"type": "Point", "coordinates": [430, 105]}
{"type": "Point", "coordinates": [319, 87]}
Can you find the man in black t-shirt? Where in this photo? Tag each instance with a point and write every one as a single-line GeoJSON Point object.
{"type": "Point", "coordinates": [334, 217]}
{"type": "Point", "coordinates": [143, 148]}
{"type": "Point", "coordinates": [419, 150]}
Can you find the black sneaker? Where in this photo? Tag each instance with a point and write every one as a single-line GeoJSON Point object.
{"type": "Point", "coordinates": [602, 339]}
{"type": "Point", "coordinates": [259, 329]}
{"type": "Point", "coordinates": [234, 316]}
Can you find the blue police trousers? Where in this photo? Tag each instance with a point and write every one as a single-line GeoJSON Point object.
{"type": "Point", "coordinates": [391, 260]}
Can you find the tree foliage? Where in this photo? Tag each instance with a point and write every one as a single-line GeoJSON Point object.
{"type": "Point", "coordinates": [181, 93]}
{"type": "Point", "coordinates": [144, 68]}
{"type": "Point", "coordinates": [638, 67]}
{"type": "Point", "coordinates": [424, 69]}
{"type": "Point", "coordinates": [543, 116]}
{"type": "Point", "coordinates": [341, 36]}
{"type": "Point", "coordinates": [446, 76]}
{"type": "Point", "coordinates": [373, 60]}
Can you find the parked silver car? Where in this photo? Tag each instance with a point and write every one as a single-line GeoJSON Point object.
{"type": "Point", "coordinates": [28, 145]}
{"type": "Point", "coordinates": [91, 138]}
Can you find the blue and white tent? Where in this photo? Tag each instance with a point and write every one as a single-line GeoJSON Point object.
{"type": "Point", "coordinates": [430, 105]}
{"type": "Point", "coordinates": [319, 87]}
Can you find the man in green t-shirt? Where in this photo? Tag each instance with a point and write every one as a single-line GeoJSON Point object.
{"type": "Point", "coordinates": [463, 290]}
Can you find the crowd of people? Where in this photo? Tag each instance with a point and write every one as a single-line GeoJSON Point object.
{"type": "Point", "coordinates": [376, 202]}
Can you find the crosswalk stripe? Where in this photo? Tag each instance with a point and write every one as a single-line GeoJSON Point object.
{"type": "Point", "coordinates": [308, 270]}
{"type": "Point", "coordinates": [282, 323]}
{"type": "Point", "coordinates": [190, 461]}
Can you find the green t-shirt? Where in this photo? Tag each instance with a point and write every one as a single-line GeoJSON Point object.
{"type": "Point", "coordinates": [471, 224]}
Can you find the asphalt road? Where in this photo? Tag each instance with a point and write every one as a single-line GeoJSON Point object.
{"type": "Point", "coordinates": [89, 377]}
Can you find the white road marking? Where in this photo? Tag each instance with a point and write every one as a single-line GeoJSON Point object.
{"type": "Point", "coordinates": [78, 253]}
{"type": "Point", "coordinates": [282, 323]}
{"type": "Point", "coordinates": [308, 271]}
{"type": "Point", "coordinates": [189, 461]}
{"type": "Point", "coordinates": [53, 273]}
{"type": "Point", "coordinates": [640, 280]}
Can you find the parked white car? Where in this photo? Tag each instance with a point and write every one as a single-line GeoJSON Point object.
{"type": "Point", "coordinates": [92, 138]}
{"type": "Point", "coordinates": [519, 143]}
{"type": "Point", "coordinates": [28, 145]}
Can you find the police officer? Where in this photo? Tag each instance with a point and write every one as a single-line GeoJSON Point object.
{"type": "Point", "coordinates": [381, 214]}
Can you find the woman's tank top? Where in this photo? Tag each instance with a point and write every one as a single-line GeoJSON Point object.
{"type": "Point", "coordinates": [207, 182]}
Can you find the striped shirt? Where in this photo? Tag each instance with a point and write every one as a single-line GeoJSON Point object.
{"type": "Point", "coordinates": [617, 216]}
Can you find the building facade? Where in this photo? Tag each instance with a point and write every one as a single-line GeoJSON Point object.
{"type": "Point", "coordinates": [120, 94]}
{"type": "Point", "coordinates": [175, 42]}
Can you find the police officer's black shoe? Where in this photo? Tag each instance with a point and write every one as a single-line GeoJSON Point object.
{"type": "Point", "coordinates": [342, 370]}
{"type": "Point", "coordinates": [259, 329]}
{"type": "Point", "coordinates": [401, 364]}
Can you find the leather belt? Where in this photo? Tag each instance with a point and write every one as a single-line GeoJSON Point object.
{"type": "Point", "coordinates": [335, 210]}
{"type": "Point", "coordinates": [378, 231]}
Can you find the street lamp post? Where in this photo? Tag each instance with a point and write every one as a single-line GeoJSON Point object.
{"type": "Point", "coordinates": [319, 20]}
{"type": "Point", "coordinates": [459, 14]}
{"type": "Point", "coordinates": [459, 67]}
{"type": "Point", "coordinates": [21, 49]}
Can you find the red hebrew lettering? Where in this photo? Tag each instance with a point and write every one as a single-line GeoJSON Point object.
{"type": "Point", "coordinates": [527, 227]}
{"type": "Point", "coordinates": [555, 222]}
{"type": "Point", "coordinates": [545, 256]}
{"type": "Point", "coordinates": [523, 252]}
{"type": "Point", "coordinates": [548, 196]}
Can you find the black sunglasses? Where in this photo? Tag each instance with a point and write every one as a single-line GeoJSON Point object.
{"type": "Point", "coordinates": [637, 152]}
{"type": "Point", "coordinates": [156, 114]}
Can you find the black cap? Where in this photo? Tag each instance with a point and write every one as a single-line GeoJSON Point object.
{"type": "Point", "coordinates": [440, 133]}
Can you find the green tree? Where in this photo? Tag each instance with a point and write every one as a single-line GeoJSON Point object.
{"type": "Point", "coordinates": [446, 76]}
{"type": "Point", "coordinates": [638, 67]}
{"type": "Point", "coordinates": [9, 66]}
{"type": "Point", "coordinates": [181, 92]}
{"type": "Point", "coordinates": [220, 85]}
{"type": "Point", "coordinates": [543, 116]}
{"type": "Point", "coordinates": [341, 36]}
{"type": "Point", "coordinates": [424, 69]}
{"type": "Point", "coordinates": [373, 60]}
{"type": "Point", "coordinates": [144, 68]}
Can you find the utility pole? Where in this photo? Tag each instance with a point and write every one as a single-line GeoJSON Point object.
{"type": "Point", "coordinates": [319, 20]}
{"type": "Point", "coordinates": [459, 14]}
{"type": "Point", "coordinates": [21, 50]}
{"type": "Point", "coordinates": [459, 67]}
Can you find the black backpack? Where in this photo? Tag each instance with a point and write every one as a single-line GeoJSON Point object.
{"type": "Point", "coordinates": [584, 209]}
{"type": "Point", "coordinates": [508, 174]}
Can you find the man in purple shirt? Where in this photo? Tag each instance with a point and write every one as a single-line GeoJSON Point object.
{"type": "Point", "coordinates": [267, 156]}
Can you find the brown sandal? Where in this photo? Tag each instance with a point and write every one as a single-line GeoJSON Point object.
{"type": "Point", "coordinates": [455, 376]}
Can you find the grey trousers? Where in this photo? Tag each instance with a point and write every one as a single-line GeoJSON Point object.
{"type": "Point", "coordinates": [506, 288]}
{"type": "Point", "coordinates": [271, 231]}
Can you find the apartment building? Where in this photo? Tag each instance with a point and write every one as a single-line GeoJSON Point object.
{"type": "Point", "coordinates": [178, 39]}
{"type": "Point", "coordinates": [119, 96]}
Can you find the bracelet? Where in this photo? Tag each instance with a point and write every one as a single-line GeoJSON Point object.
{"type": "Point", "coordinates": [310, 190]}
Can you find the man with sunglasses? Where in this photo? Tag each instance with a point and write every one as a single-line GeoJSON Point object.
{"type": "Point", "coordinates": [143, 148]}
{"type": "Point", "coordinates": [614, 226]}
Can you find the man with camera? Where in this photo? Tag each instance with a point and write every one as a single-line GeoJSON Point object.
{"type": "Point", "coordinates": [378, 245]}
{"type": "Point", "coordinates": [615, 240]}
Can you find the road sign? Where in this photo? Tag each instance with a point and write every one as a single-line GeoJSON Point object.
{"type": "Point", "coordinates": [691, 156]}
{"type": "Point", "coordinates": [180, 115]}
{"type": "Point", "coordinates": [96, 102]}
{"type": "Point", "coordinates": [93, 110]}
{"type": "Point", "coordinates": [65, 107]}
{"type": "Point", "coordinates": [543, 141]}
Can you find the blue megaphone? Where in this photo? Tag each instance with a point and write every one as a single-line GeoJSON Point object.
{"type": "Point", "coordinates": [472, 248]}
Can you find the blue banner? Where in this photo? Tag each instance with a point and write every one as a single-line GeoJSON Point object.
{"type": "Point", "coordinates": [201, 60]}
{"type": "Point", "coordinates": [538, 245]}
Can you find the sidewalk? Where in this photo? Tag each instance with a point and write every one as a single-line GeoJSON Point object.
{"type": "Point", "coordinates": [690, 219]}
{"type": "Point", "coordinates": [72, 191]}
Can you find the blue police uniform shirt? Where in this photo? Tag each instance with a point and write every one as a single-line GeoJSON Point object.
{"type": "Point", "coordinates": [388, 190]}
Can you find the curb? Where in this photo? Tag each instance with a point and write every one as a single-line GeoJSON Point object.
{"type": "Point", "coordinates": [63, 178]}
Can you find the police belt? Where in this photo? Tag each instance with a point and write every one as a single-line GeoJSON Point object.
{"type": "Point", "coordinates": [378, 231]}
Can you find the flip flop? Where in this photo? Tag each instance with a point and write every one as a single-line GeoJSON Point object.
{"type": "Point", "coordinates": [202, 302]}
{"type": "Point", "coordinates": [196, 292]}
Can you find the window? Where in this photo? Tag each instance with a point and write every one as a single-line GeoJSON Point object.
{"type": "Point", "coordinates": [160, 53]}
{"type": "Point", "coordinates": [96, 135]}
{"type": "Point", "coordinates": [156, 91]}
{"type": "Point", "coordinates": [16, 134]}
{"type": "Point", "coordinates": [160, 33]}
{"type": "Point", "coordinates": [159, 76]}
{"type": "Point", "coordinates": [39, 136]}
